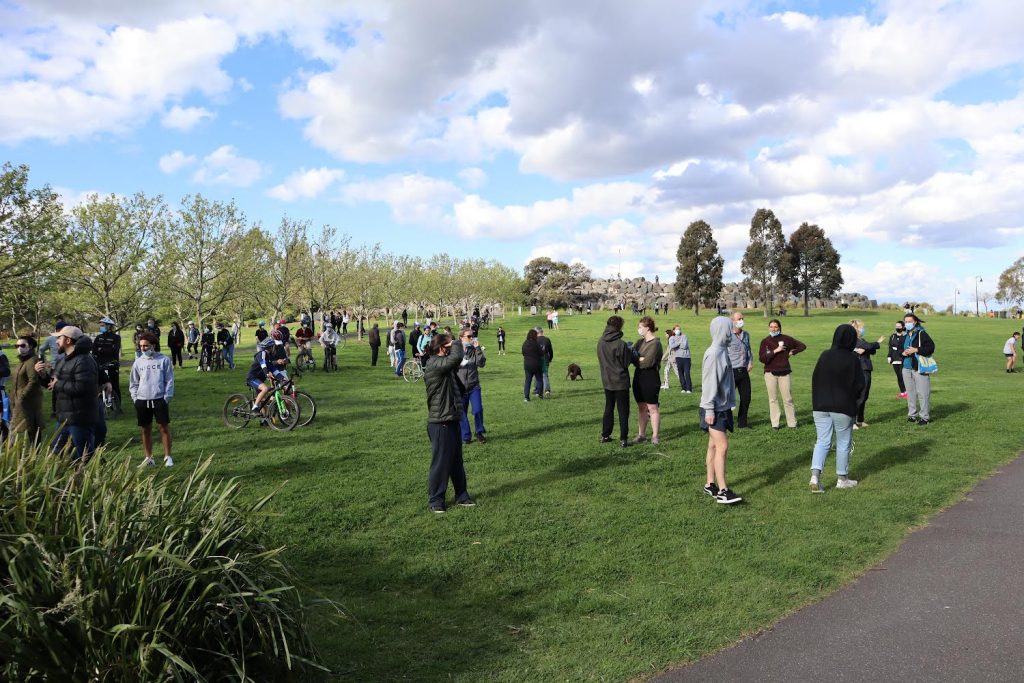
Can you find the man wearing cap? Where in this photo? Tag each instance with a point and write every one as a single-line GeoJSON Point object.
{"type": "Point", "coordinates": [227, 344]}
{"type": "Point", "coordinates": [73, 381]}
{"type": "Point", "coordinates": [106, 349]}
{"type": "Point", "coordinates": [261, 331]}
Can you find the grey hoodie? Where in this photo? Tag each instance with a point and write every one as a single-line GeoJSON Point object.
{"type": "Point", "coordinates": [718, 388]}
{"type": "Point", "coordinates": [151, 379]}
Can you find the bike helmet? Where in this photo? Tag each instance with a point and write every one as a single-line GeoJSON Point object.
{"type": "Point", "coordinates": [261, 323]}
{"type": "Point", "coordinates": [266, 344]}
{"type": "Point", "coordinates": [277, 334]}
{"type": "Point", "coordinates": [107, 321]}
{"type": "Point", "coordinates": [328, 326]}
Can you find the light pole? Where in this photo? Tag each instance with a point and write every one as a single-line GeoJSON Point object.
{"type": "Point", "coordinates": [955, 292]}
{"type": "Point", "coordinates": [977, 312]}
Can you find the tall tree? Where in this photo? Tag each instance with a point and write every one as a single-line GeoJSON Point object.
{"type": "Point", "coordinates": [813, 264]}
{"type": "Point", "coordinates": [32, 238]}
{"type": "Point", "coordinates": [765, 262]}
{"type": "Point", "coordinates": [699, 273]}
{"type": "Point", "coordinates": [116, 268]}
{"type": "Point", "coordinates": [1011, 284]}
{"type": "Point", "coordinates": [281, 267]}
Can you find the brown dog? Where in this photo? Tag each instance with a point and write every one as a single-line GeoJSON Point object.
{"type": "Point", "coordinates": [574, 373]}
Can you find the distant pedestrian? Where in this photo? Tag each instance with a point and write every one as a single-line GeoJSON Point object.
{"type": "Point", "coordinates": [444, 413]}
{"type": "Point", "coordinates": [1010, 351]}
{"type": "Point", "coordinates": [374, 339]}
{"type": "Point", "coordinates": [836, 387]}
{"type": "Point", "coordinates": [501, 341]}
{"type": "Point", "coordinates": [614, 358]}
{"type": "Point", "coordinates": [671, 346]}
{"type": "Point", "coordinates": [683, 360]}
{"type": "Point", "coordinates": [532, 365]}
{"type": "Point", "coordinates": [717, 399]}
{"type": "Point", "coordinates": [547, 354]}
{"type": "Point", "coordinates": [473, 359]}
{"type": "Point", "coordinates": [864, 351]}
{"type": "Point", "coordinates": [151, 386]}
{"type": "Point", "coordinates": [398, 337]}
{"type": "Point", "coordinates": [176, 342]}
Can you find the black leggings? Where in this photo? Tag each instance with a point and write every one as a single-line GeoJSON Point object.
{"type": "Point", "coordinates": [176, 356]}
{"type": "Point", "coordinates": [616, 400]}
{"type": "Point", "coordinates": [530, 376]}
{"type": "Point", "coordinates": [501, 344]}
{"type": "Point", "coordinates": [742, 378]}
{"type": "Point", "coordinates": [899, 377]}
{"type": "Point", "coordinates": [863, 400]}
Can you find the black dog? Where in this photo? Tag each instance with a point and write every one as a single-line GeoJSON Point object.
{"type": "Point", "coordinates": [574, 373]}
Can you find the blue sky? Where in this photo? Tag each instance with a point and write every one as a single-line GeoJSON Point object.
{"type": "Point", "coordinates": [511, 130]}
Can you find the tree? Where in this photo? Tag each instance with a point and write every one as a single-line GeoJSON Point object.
{"type": "Point", "coordinates": [1011, 284]}
{"type": "Point", "coordinates": [364, 285]}
{"type": "Point", "coordinates": [813, 264]}
{"type": "Point", "coordinates": [32, 238]}
{"type": "Point", "coordinates": [551, 283]}
{"type": "Point", "coordinates": [325, 270]}
{"type": "Point", "coordinates": [116, 267]}
{"type": "Point", "coordinates": [281, 267]}
{"type": "Point", "coordinates": [765, 261]}
{"type": "Point", "coordinates": [699, 273]}
{"type": "Point", "coordinates": [203, 273]}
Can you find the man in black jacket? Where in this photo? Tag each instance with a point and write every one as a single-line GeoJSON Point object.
{"type": "Point", "coordinates": [74, 381]}
{"type": "Point", "coordinates": [614, 358]}
{"type": "Point", "coordinates": [547, 354]}
{"type": "Point", "coordinates": [374, 344]}
{"type": "Point", "coordinates": [444, 413]}
{"type": "Point", "coordinates": [836, 386]}
{"type": "Point", "coordinates": [106, 348]}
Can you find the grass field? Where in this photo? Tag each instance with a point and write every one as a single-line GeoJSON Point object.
{"type": "Point", "coordinates": [585, 561]}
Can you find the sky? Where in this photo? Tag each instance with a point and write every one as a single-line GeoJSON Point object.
{"type": "Point", "coordinates": [590, 131]}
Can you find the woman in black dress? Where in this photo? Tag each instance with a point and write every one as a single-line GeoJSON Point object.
{"type": "Point", "coordinates": [532, 365]}
{"type": "Point", "coordinates": [647, 353]}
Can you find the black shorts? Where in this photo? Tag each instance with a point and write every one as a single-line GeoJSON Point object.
{"type": "Point", "coordinates": [723, 421]}
{"type": "Point", "coordinates": [147, 411]}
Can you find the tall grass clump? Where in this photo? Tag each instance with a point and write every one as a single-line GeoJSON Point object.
{"type": "Point", "coordinates": [108, 574]}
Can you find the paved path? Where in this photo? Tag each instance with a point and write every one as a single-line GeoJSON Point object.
{"type": "Point", "coordinates": [948, 605]}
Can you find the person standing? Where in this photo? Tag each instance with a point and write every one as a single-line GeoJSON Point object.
{"type": "Point", "coordinates": [614, 358]}
{"type": "Point", "coordinates": [50, 346]}
{"type": "Point", "coordinates": [192, 338]}
{"type": "Point", "coordinates": [670, 356]}
{"type": "Point", "coordinates": [647, 353]}
{"type": "Point", "coordinates": [399, 339]}
{"type": "Point", "coordinates": [836, 386]}
{"type": "Point", "coordinates": [473, 358]}
{"type": "Point", "coordinates": [414, 340]}
{"type": "Point", "coordinates": [683, 359]}
{"type": "Point", "coordinates": [717, 400]}
{"type": "Point", "coordinates": [176, 342]}
{"type": "Point", "coordinates": [501, 340]}
{"type": "Point", "coordinates": [207, 341]}
{"type": "Point", "coordinates": [532, 365]}
{"type": "Point", "coordinates": [444, 403]}
{"type": "Point", "coordinates": [405, 316]}
{"type": "Point", "coordinates": [917, 342]}
{"type": "Point", "coordinates": [227, 345]}
{"type": "Point", "coordinates": [26, 392]}
{"type": "Point", "coordinates": [106, 348]}
{"type": "Point", "coordinates": [261, 331]}
{"type": "Point", "coordinates": [135, 339]}
{"type": "Point", "coordinates": [864, 351]}
{"type": "Point", "coordinates": [374, 338]}
{"type": "Point", "coordinates": [153, 329]}
{"type": "Point", "coordinates": [73, 381]}
{"type": "Point", "coordinates": [391, 344]}
{"type": "Point", "coordinates": [151, 385]}
{"type": "Point", "coordinates": [896, 356]}
{"type": "Point", "coordinates": [1010, 351]}
{"type": "Point", "coordinates": [742, 360]}
{"type": "Point", "coordinates": [547, 354]}
{"type": "Point", "coordinates": [775, 351]}
{"type": "Point", "coordinates": [344, 322]}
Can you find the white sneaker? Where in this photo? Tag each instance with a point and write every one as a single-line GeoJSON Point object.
{"type": "Point", "coordinates": [168, 461]}
{"type": "Point", "coordinates": [664, 386]}
{"type": "Point", "coordinates": [846, 483]}
{"type": "Point", "coordinates": [856, 426]}
{"type": "Point", "coordinates": [148, 462]}
{"type": "Point", "coordinates": [816, 486]}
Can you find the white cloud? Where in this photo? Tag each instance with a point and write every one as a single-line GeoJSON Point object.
{"type": "Point", "coordinates": [306, 184]}
{"type": "Point", "coordinates": [175, 161]}
{"type": "Point", "coordinates": [223, 166]}
{"type": "Point", "coordinates": [473, 178]}
{"type": "Point", "coordinates": [185, 118]}
{"type": "Point", "coordinates": [413, 198]}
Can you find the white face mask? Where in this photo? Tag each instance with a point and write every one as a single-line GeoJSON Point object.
{"type": "Point", "coordinates": [679, 332]}
{"type": "Point", "coordinates": [640, 331]}
{"type": "Point", "coordinates": [148, 353]}
{"type": "Point", "coordinates": [738, 324]}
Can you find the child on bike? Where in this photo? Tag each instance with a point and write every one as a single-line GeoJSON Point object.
{"type": "Point", "coordinates": [329, 339]}
{"type": "Point", "coordinates": [207, 341]}
{"type": "Point", "coordinates": [270, 359]}
{"type": "Point", "coordinates": [303, 336]}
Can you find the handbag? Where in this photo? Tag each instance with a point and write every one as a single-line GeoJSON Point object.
{"type": "Point", "coordinates": [926, 365]}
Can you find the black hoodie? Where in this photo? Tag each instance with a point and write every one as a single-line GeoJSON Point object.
{"type": "Point", "coordinates": [614, 358]}
{"type": "Point", "coordinates": [838, 379]}
{"type": "Point", "coordinates": [77, 380]}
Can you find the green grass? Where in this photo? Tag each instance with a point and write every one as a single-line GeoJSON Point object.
{"type": "Point", "coordinates": [584, 561]}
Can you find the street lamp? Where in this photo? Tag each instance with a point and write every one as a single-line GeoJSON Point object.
{"type": "Point", "coordinates": [977, 312]}
{"type": "Point", "coordinates": [955, 292]}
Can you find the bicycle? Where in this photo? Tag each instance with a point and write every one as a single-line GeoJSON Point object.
{"type": "Point", "coordinates": [282, 410]}
{"type": "Point", "coordinates": [112, 403]}
{"type": "Point", "coordinates": [304, 359]}
{"type": "Point", "coordinates": [218, 358]}
{"type": "Point", "coordinates": [330, 358]}
{"type": "Point", "coordinates": [412, 371]}
{"type": "Point", "coordinates": [307, 404]}
{"type": "Point", "coordinates": [205, 359]}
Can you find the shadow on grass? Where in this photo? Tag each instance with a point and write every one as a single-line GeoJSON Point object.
{"type": "Point", "coordinates": [773, 474]}
{"type": "Point", "coordinates": [888, 457]}
{"type": "Point", "coordinates": [567, 470]}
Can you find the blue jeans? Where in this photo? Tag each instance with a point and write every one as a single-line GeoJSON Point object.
{"type": "Point", "coordinates": [81, 440]}
{"type": "Point", "coordinates": [826, 425]}
{"type": "Point", "coordinates": [100, 430]}
{"type": "Point", "coordinates": [400, 358]}
{"type": "Point", "coordinates": [474, 398]}
{"type": "Point", "coordinates": [229, 356]}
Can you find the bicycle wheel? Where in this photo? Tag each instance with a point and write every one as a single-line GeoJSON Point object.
{"type": "Point", "coordinates": [307, 407]}
{"type": "Point", "coordinates": [412, 371]}
{"type": "Point", "coordinates": [237, 411]}
{"type": "Point", "coordinates": [283, 421]}
{"type": "Point", "coordinates": [113, 407]}
{"type": "Point", "coordinates": [341, 341]}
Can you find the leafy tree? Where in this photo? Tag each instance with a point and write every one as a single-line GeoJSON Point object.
{"type": "Point", "coordinates": [116, 268]}
{"type": "Point", "coordinates": [280, 266]}
{"type": "Point", "coordinates": [813, 264]}
{"type": "Point", "coordinates": [1011, 284]}
{"type": "Point", "coordinates": [325, 270]}
{"type": "Point", "coordinates": [765, 262]}
{"type": "Point", "coordinates": [551, 283]}
{"type": "Point", "coordinates": [364, 284]}
{"type": "Point", "coordinates": [699, 273]}
{"type": "Point", "coordinates": [32, 237]}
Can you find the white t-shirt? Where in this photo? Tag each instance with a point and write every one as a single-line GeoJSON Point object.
{"type": "Point", "coordinates": [1010, 347]}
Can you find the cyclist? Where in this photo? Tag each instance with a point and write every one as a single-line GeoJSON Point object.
{"type": "Point", "coordinates": [208, 340]}
{"type": "Point", "coordinates": [269, 358]}
{"type": "Point", "coordinates": [106, 349]}
{"type": "Point", "coordinates": [329, 339]}
{"type": "Point", "coordinates": [192, 340]}
{"type": "Point", "coordinates": [227, 345]}
{"type": "Point", "coordinates": [261, 332]}
{"type": "Point", "coordinates": [303, 336]}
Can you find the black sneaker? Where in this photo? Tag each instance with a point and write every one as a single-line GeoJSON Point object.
{"type": "Point", "coordinates": [481, 438]}
{"type": "Point", "coordinates": [605, 439]}
{"type": "Point", "coordinates": [466, 502]}
{"type": "Point", "coordinates": [437, 508]}
{"type": "Point", "coordinates": [727, 497]}
{"type": "Point", "coordinates": [911, 419]}
{"type": "Point", "coordinates": [467, 442]}
{"type": "Point", "coordinates": [624, 443]}
{"type": "Point", "coordinates": [711, 489]}
{"type": "Point", "coordinates": [922, 423]}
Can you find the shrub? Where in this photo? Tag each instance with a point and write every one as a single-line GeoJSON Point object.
{"type": "Point", "coordinates": [112, 575]}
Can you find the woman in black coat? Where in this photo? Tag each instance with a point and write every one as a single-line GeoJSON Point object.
{"type": "Point", "coordinates": [836, 385]}
{"type": "Point", "coordinates": [175, 342]}
{"type": "Point", "coordinates": [532, 365]}
{"type": "Point", "coordinates": [865, 350]}
{"type": "Point", "coordinates": [896, 356]}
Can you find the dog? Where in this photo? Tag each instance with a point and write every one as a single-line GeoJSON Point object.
{"type": "Point", "coordinates": [574, 372]}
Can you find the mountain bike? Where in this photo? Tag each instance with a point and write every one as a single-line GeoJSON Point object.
{"type": "Point", "coordinates": [306, 403]}
{"type": "Point", "coordinates": [412, 371]}
{"type": "Point", "coordinates": [112, 403]}
{"type": "Point", "coordinates": [218, 358]}
{"type": "Point", "coordinates": [330, 358]}
{"type": "Point", "coordinates": [304, 359]}
{"type": "Point", "coordinates": [282, 411]}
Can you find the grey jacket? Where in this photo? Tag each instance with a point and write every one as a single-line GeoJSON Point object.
{"type": "Point", "coordinates": [472, 358]}
{"type": "Point", "coordinates": [740, 355]}
{"type": "Point", "coordinates": [718, 387]}
{"type": "Point", "coordinates": [151, 379]}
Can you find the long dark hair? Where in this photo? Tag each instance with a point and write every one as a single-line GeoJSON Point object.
{"type": "Point", "coordinates": [531, 335]}
{"type": "Point", "coordinates": [437, 341]}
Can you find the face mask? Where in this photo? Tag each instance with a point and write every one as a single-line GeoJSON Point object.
{"type": "Point", "coordinates": [148, 353]}
{"type": "Point", "coordinates": [103, 329]}
{"type": "Point", "coordinates": [738, 324]}
{"type": "Point", "coordinates": [152, 325]}
{"type": "Point", "coordinates": [899, 330]}
{"type": "Point", "coordinates": [863, 330]}
{"type": "Point", "coordinates": [24, 353]}
{"type": "Point", "coordinates": [909, 326]}
{"type": "Point", "coordinates": [679, 333]}
{"type": "Point", "coordinates": [640, 331]}
{"type": "Point", "coordinates": [278, 342]}
{"type": "Point", "coordinates": [774, 334]}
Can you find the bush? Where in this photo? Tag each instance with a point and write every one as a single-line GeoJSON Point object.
{"type": "Point", "coordinates": [112, 575]}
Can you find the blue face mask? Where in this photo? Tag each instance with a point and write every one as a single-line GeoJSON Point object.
{"type": "Point", "coordinates": [863, 331]}
{"type": "Point", "coordinates": [103, 329]}
{"type": "Point", "coordinates": [908, 326]}
{"type": "Point", "coordinates": [774, 334]}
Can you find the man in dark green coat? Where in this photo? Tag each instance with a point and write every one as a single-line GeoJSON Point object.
{"type": "Point", "coordinates": [444, 414]}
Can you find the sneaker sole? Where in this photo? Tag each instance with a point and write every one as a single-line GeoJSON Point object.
{"type": "Point", "coordinates": [728, 502]}
{"type": "Point", "coordinates": [817, 489]}
{"type": "Point", "coordinates": [466, 505]}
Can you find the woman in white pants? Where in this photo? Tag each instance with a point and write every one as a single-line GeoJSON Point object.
{"type": "Point", "coordinates": [672, 343]}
